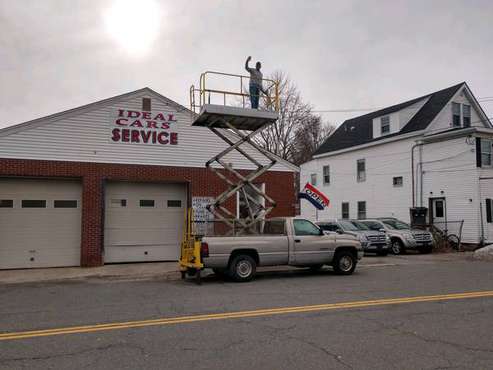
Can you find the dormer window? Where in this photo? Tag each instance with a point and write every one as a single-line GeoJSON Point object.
{"type": "Point", "coordinates": [456, 115]}
{"type": "Point", "coordinates": [466, 115]}
{"type": "Point", "coordinates": [385, 125]}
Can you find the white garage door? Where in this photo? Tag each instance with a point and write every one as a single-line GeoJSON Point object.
{"type": "Point", "coordinates": [40, 223]}
{"type": "Point", "coordinates": [143, 222]}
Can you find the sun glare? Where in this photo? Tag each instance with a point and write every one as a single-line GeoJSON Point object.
{"type": "Point", "coordinates": [133, 24]}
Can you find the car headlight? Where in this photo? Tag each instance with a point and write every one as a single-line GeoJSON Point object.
{"type": "Point", "coordinates": [408, 237]}
{"type": "Point", "coordinates": [387, 238]}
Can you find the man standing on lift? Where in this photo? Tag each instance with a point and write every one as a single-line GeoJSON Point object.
{"type": "Point", "coordinates": [255, 82]}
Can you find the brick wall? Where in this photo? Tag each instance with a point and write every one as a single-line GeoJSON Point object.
{"type": "Point", "coordinates": [201, 182]}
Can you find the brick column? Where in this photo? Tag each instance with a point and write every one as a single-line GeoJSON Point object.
{"type": "Point", "coordinates": [92, 221]}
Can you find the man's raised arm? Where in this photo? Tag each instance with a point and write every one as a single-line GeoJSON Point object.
{"type": "Point", "coordinates": [246, 64]}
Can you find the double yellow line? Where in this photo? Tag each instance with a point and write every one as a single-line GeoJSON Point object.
{"type": "Point", "coordinates": [239, 314]}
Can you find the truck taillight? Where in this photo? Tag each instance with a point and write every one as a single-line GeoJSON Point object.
{"type": "Point", "coordinates": [204, 250]}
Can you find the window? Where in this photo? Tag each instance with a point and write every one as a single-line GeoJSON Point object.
{"type": "Point", "coordinates": [486, 146]}
{"type": "Point", "coordinates": [65, 204]}
{"type": "Point", "coordinates": [326, 170]}
{"type": "Point", "coordinates": [455, 114]}
{"type": "Point", "coordinates": [6, 203]}
{"type": "Point", "coordinates": [345, 210]}
{"type": "Point", "coordinates": [385, 125]}
{"type": "Point", "coordinates": [174, 203]}
{"type": "Point", "coordinates": [330, 227]}
{"type": "Point", "coordinates": [305, 227]}
{"type": "Point", "coordinates": [466, 115]}
{"type": "Point", "coordinates": [33, 203]}
{"type": "Point", "coordinates": [313, 179]}
{"type": "Point", "coordinates": [397, 181]}
{"type": "Point", "coordinates": [115, 203]}
{"type": "Point", "coordinates": [361, 210]}
{"type": "Point", "coordinates": [274, 227]}
{"type": "Point", "coordinates": [147, 203]}
{"type": "Point", "coordinates": [439, 208]}
{"type": "Point", "coordinates": [361, 170]}
{"type": "Point", "coordinates": [146, 104]}
{"type": "Point", "coordinates": [489, 210]}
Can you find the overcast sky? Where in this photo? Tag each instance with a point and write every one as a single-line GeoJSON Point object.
{"type": "Point", "coordinates": [60, 54]}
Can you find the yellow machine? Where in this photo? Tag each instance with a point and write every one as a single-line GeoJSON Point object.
{"type": "Point", "coordinates": [225, 110]}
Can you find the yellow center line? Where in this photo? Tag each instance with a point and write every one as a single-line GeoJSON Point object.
{"type": "Point", "coordinates": [239, 314]}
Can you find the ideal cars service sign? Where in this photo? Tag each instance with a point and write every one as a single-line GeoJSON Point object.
{"type": "Point", "coordinates": [139, 127]}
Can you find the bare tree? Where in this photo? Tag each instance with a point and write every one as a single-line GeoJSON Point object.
{"type": "Point", "coordinates": [298, 131]}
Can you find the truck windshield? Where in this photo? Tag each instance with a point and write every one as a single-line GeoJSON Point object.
{"type": "Point", "coordinates": [360, 225]}
{"type": "Point", "coordinates": [396, 224]}
{"type": "Point", "coordinates": [348, 226]}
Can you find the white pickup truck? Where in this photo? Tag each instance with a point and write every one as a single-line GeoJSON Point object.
{"type": "Point", "coordinates": [283, 241]}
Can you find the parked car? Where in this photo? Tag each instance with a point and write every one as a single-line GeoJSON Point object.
{"type": "Point", "coordinates": [372, 241]}
{"type": "Point", "coordinates": [402, 236]}
{"type": "Point", "coordinates": [283, 241]}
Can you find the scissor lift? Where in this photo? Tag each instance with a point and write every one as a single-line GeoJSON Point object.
{"type": "Point", "coordinates": [236, 124]}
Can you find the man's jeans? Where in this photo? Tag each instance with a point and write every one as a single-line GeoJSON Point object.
{"type": "Point", "coordinates": [254, 96]}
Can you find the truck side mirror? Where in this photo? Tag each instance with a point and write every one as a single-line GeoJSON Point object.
{"type": "Point", "coordinates": [322, 232]}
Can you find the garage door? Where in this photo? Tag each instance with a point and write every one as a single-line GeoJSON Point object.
{"type": "Point", "coordinates": [143, 222]}
{"type": "Point", "coordinates": [40, 223]}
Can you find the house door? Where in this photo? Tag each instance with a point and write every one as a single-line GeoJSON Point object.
{"type": "Point", "coordinates": [438, 208]}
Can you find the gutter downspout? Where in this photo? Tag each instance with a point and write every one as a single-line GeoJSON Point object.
{"type": "Point", "coordinates": [412, 172]}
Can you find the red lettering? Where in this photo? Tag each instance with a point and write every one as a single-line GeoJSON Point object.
{"type": "Point", "coordinates": [160, 116]}
{"type": "Point", "coordinates": [121, 121]}
{"type": "Point", "coordinates": [133, 114]}
{"type": "Point", "coordinates": [173, 138]}
{"type": "Point", "coordinates": [116, 134]}
{"type": "Point", "coordinates": [151, 124]}
{"type": "Point", "coordinates": [146, 115]}
{"type": "Point", "coordinates": [120, 112]}
{"type": "Point", "coordinates": [125, 135]}
{"type": "Point", "coordinates": [145, 136]}
{"type": "Point", "coordinates": [137, 123]}
{"type": "Point", "coordinates": [154, 137]}
{"type": "Point", "coordinates": [160, 138]}
{"type": "Point", "coordinates": [135, 136]}
{"type": "Point", "coordinates": [171, 118]}
{"type": "Point", "coordinates": [164, 126]}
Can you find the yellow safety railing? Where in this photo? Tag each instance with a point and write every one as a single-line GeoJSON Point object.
{"type": "Point", "coordinates": [205, 93]}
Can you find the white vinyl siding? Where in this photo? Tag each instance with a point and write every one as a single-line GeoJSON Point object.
{"type": "Point", "coordinates": [86, 137]}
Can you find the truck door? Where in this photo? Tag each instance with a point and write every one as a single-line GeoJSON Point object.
{"type": "Point", "coordinates": [311, 248]}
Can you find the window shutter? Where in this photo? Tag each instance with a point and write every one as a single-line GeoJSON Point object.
{"type": "Point", "coordinates": [478, 152]}
{"type": "Point", "coordinates": [489, 211]}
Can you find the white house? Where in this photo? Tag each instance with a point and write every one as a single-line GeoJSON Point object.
{"type": "Point", "coordinates": [434, 151]}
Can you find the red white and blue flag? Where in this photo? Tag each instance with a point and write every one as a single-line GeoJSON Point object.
{"type": "Point", "coordinates": [314, 196]}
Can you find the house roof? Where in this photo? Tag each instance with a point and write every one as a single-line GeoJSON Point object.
{"type": "Point", "coordinates": [359, 130]}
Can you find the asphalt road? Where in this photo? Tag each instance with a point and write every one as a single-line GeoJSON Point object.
{"type": "Point", "coordinates": [424, 333]}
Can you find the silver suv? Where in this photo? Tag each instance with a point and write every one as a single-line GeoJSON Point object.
{"type": "Point", "coordinates": [402, 236]}
{"type": "Point", "coordinates": [372, 241]}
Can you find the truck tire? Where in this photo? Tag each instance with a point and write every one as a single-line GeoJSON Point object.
{"type": "Point", "coordinates": [344, 263]}
{"type": "Point", "coordinates": [242, 268]}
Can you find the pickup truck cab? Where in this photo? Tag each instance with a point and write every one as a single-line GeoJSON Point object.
{"type": "Point", "coordinates": [282, 241]}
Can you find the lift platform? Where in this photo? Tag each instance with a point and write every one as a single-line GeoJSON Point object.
{"type": "Point", "coordinates": [226, 112]}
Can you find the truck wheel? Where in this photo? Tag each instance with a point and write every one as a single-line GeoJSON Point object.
{"type": "Point", "coordinates": [242, 268]}
{"type": "Point", "coordinates": [397, 247]}
{"type": "Point", "coordinates": [344, 263]}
